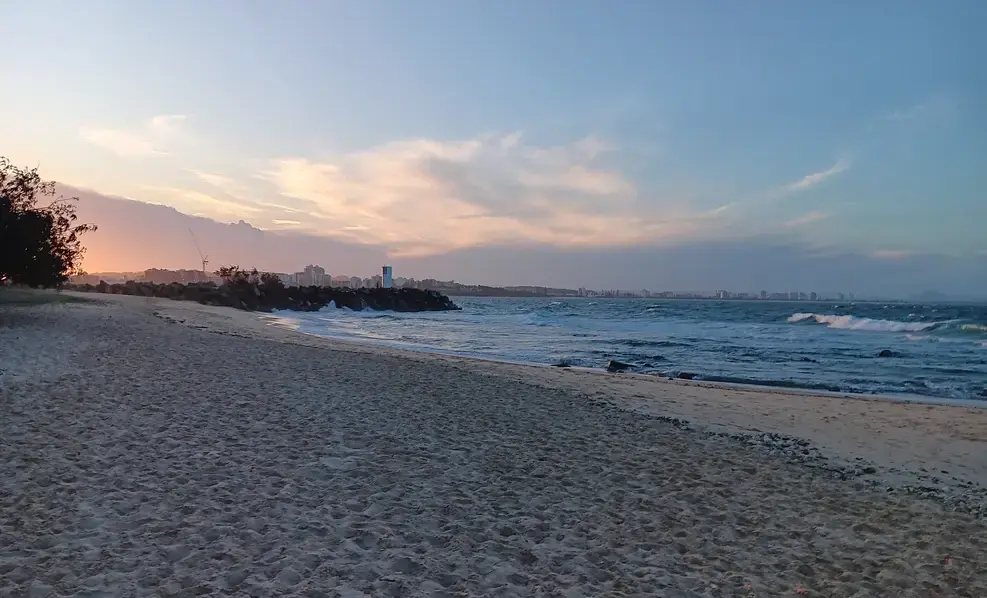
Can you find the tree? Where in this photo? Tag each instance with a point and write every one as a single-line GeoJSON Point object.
{"type": "Point", "coordinates": [271, 282]}
{"type": "Point", "coordinates": [233, 275]}
{"type": "Point", "coordinates": [40, 245]}
{"type": "Point", "coordinates": [237, 276]}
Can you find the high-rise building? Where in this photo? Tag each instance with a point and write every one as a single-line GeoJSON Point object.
{"type": "Point", "coordinates": [386, 275]}
{"type": "Point", "coordinates": [312, 275]}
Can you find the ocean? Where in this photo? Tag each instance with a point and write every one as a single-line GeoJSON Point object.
{"type": "Point", "coordinates": [938, 350]}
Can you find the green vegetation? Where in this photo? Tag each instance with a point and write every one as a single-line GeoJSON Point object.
{"type": "Point", "coordinates": [39, 238]}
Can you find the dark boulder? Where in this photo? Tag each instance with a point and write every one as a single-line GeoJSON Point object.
{"type": "Point", "coordinates": [618, 366]}
{"type": "Point", "coordinates": [254, 297]}
{"type": "Point", "coordinates": [686, 376]}
{"type": "Point", "coordinates": [886, 353]}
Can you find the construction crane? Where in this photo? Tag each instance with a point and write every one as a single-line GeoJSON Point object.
{"type": "Point", "coordinates": [204, 258]}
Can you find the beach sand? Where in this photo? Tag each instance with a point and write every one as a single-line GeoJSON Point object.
{"type": "Point", "coordinates": [150, 448]}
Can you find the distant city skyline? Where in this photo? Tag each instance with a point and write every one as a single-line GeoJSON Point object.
{"type": "Point", "coordinates": [314, 274]}
{"type": "Point", "coordinates": [703, 145]}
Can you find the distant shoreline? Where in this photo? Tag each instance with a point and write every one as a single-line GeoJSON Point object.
{"type": "Point", "coordinates": [725, 300]}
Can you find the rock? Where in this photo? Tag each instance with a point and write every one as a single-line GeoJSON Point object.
{"type": "Point", "coordinates": [258, 297]}
{"type": "Point", "coordinates": [886, 353]}
{"type": "Point", "coordinates": [618, 366]}
{"type": "Point", "coordinates": [686, 376]}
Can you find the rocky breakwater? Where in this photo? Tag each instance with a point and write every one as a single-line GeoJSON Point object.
{"type": "Point", "coordinates": [267, 297]}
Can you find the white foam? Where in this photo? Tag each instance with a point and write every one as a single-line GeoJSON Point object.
{"type": "Point", "coordinates": [847, 322]}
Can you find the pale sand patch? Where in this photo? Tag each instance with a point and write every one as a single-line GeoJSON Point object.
{"type": "Point", "coordinates": [169, 460]}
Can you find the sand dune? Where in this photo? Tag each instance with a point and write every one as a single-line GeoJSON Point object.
{"type": "Point", "coordinates": [177, 450]}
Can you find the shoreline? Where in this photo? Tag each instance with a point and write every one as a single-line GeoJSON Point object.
{"type": "Point", "coordinates": [909, 443]}
{"type": "Point", "coordinates": [167, 448]}
{"type": "Point", "coordinates": [280, 322]}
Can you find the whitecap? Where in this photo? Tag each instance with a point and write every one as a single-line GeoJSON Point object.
{"type": "Point", "coordinates": [848, 322]}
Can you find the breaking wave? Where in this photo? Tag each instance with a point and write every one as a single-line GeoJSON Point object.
{"type": "Point", "coordinates": [846, 322]}
{"type": "Point", "coordinates": [932, 330]}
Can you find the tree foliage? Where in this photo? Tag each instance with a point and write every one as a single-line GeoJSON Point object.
{"type": "Point", "coordinates": [40, 242]}
{"type": "Point", "coordinates": [236, 276]}
{"type": "Point", "coordinates": [271, 282]}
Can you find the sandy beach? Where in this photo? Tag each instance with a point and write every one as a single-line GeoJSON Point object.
{"type": "Point", "coordinates": [156, 448]}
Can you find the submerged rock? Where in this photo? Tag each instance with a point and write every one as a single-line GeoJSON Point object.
{"type": "Point", "coordinates": [686, 375]}
{"type": "Point", "coordinates": [886, 353]}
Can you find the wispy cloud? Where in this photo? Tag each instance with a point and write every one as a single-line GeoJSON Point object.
{"type": "Point", "coordinates": [937, 105]}
{"type": "Point", "coordinates": [811, 180]}
{"type": "Point", "coordinates": [216, 180]}
{"type": "Point", "coordinates": [223, 183]}
{"type": "Point", "coordinates": [121, 143]}
{"type": "Point", "coordinates": [199, 203]}
{"type": "Point", "coordinates": [892, 254]}
{"type": "Point", "coordinates": [908, 113]}
{"type": "Point", "coordinates": [145, 141]}
{"type": "Point", "coordinates": [807, 218]}
{"type": "Point", "coordinates": [280, 222]}
{"type": "Point", "coordinates": [425, 196]}
{"type": "Point", "coordinates": [167, 122]}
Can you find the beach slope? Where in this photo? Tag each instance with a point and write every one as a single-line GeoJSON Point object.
{"type": "Point", "coordinates": [156, 448]}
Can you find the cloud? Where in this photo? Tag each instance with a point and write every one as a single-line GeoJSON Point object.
{"type": "Point", "coordinates": [425, 196]}
{"type": "Point", "coordinates": [892, 254]}
{"type": "Point", "coordinates": [121, 143]}
{"type": "Point", "coordinates": [908, 113]}
{"type": "Point", "coordinates": [167, 122]}
{"type": "Point", "coordinates": [144, 142]}
{"type": "Point", "coordinates": [225, 184]}
{"type": "Point", "coordinates": [937, 105]}
{"type": "Point", "coordinates": [280, 222]}
{"type": "Point", "coordinates": [807, 218]}
{"type": "Point", "coordinates": [135, 235]}
{"type": "Point", "coordinates": [200, 203]}
{"type": "Point", "coordinates": [216, 180]}
{"type": "Point", "coordinates": [815, 178]}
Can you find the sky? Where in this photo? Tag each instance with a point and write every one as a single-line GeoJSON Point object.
{"type": "Point", "coordinates": [679, 144]}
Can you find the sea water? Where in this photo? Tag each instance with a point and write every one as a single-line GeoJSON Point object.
{"type": "Point", "coordinates": [938, 350]}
